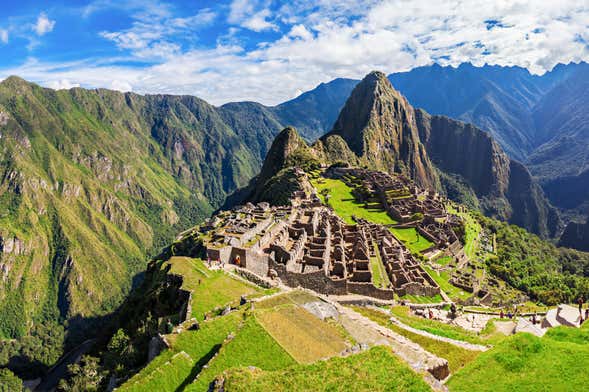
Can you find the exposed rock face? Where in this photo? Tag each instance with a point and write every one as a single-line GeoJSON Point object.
{"type": "Point", "coordinates": [378, 124]}
{"type": "Point", "coordinates": [576, 235]}
{"type": "Point", "coordinates": [279, 176]}
{"type": "Point", "coordinates": [505, 187]}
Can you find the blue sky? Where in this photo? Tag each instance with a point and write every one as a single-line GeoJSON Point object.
{"type": "Point", "coordinates": [270, 51]}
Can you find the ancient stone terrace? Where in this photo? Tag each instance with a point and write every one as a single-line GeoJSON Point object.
{"type": "Point", "coordinates": [310, 246]}
{"type": "Point", "coordinates": [407, 204]}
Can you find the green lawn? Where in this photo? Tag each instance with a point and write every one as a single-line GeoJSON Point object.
{"type": "Point", "coordinates": [210, 289]}
{"type": "Point", "coordinates": [379, 273]}
{"type": "Point", "coordinates": [377, 369]}
{"type": "Point", "coordinates": [304, 336]}
{"type": "Point", "coordinates": [523, 362]}
{"type": "Point", "coordinates": [420, 299]}
{"type": "Point", "coordinates": [443, 261]}
{"type": "Point", "coordinates": [345, 205]}
{"type": "Point", "coordinates": [472, 229]}
{"type": "Point", "coordinates": [457, 357]}
{"type": "Point", "coordinates": [199, 345]}
{"type": "Point", "coordinates": [252, 346]}
{"type": "Point", "coordinates": [412, 239]}
{"type": "Point", "coordinates": [435, 327]}
{"type": "Point", "coordinates": [442, 278]}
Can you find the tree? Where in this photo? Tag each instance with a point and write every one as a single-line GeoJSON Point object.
{"type": "Point", "coordinates": [83, 376]}
{"type": "Point", "coordinates": [9, 382]}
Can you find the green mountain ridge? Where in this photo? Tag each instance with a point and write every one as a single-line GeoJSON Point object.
{"type": "Point", "coordinates": [92, 182]}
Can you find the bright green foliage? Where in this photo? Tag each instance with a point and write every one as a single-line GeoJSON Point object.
{"type": "Point", "coordinates": [9, 382]}
{"type": "Point", "coordinates": [199, 345]}
{"type": "Point", "coordinates": [253, 346]}
{"type": "Point", "coordinates": [546, 273]}
{"type": "Point", "coordinates": [210, 289]}
{"type": "Point", "coordinates": [379, 273]}
{"type": "Point", "coordinates": [377, 369]}
{"type": "Point", "coordinates": [442, 278]}
{"type": "Point", "coordinates": [524, 362]}
{"type": "Point", "coordinates": [436, 327]}
{"type": "Point", "coordinates": [83, 376]}
{"type": "Point", "coordinates": [345, 205]}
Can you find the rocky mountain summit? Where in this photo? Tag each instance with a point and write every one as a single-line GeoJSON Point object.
{"type": "Point", "coordinates": [378, 129]}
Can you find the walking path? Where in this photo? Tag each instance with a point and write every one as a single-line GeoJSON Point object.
{"type": "Point", "coordinates": [366, 331]}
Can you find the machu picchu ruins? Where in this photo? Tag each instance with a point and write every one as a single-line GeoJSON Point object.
{"type": "Point", "coordinates": [306, 244]}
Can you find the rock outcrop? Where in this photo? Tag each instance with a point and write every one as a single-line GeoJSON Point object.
{"type": "Point", "coordinates": [504, 187]}
{"type": "Point", "coordinates": [576, 235]}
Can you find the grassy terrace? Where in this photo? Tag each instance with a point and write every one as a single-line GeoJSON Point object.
{"type": "Point", "coordinates": [379, 273]}
{"type": "Point", "coordinates": [210, 289]}
{"type": "Point", "coordinates": [457, 357]}
{"type": "Point", "coordinates": [377, 369]}
{"type": "Point", "coordinates": [473, 230]}
{"type": "Point", "coordinates": [446, 330]}
{"type": "Point", "coordinates": [305, 337]}
{"type": "Point", "coordinates": [523, 362]}
{"type": "Point", "coordinates": [198, 345]}
{"type": "Point", "coordinates": [443, 280]}
{"type": "Point", "coordinates": [345, 205]}
{"type": "Point", "coordinates": [253, 346]}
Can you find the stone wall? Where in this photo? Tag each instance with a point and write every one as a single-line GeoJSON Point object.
{"type": "Point", "coordinates": [369, 290]}
{"type": "Point", "coordinates": [414, 288]}
{"type": "Point", "coordinates": [316, 281]}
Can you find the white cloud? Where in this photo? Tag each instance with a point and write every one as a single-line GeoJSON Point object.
{"type": "Point", "coordinates": [62, 84]}
{"type": "Point", "coordinates": [329, 39]}
{"type": "Point", "coordinates": [4, 36]}
{"type": "Point", "coordinates": [251, 14]}
{"type": "Point", "coordinates": [259, 21]}
{"type": "Point", "coordinates": [44, 25]}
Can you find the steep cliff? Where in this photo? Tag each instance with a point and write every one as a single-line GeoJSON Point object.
{"type": "Point", "coordinates": [378, 125]}
{"type": "Point", "coordinates": [576, 235]}
{"type": "Point", "coordinates": [504, 187]}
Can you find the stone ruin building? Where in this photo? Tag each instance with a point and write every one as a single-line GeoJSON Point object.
{"type": "Point", "coordinates": [307, 245]}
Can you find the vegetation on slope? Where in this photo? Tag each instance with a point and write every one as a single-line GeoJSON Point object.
{"type": "Point", "coordinates": [546, 273]}
{"type": "Point", "coordinates": [377, 369]}
{"type": "Point", "coordinates": [524, 362]}
{"type": "Point", "coordinates": [252, 346]}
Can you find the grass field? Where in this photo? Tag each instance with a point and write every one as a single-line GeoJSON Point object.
{"type": "Point", "coordinates": [377, 369]}
{"type": "Point", "coordinates": [443, 261]}
{"type": "Point", "coordinates": [296, 297]}
{"type": "Point", "coordinates": [252, 346]}
{"type": "Point", "coordinates": [379, 273]}
{"type": "Point", "coordinates": [472, 229]}
{"type": "Point", "coordinates": [523, 362]}
{"type": "Point", "coordinates": [199, 345]}
{"type": "Point", "coordinates": [305, 337]}
{"type": "Point", "coordinates": [210, 289]}
{"type": "Point", "coordinates": [442, 278]}
{"type": "Point", "coordinates": [420, 299]}
{"type": "Point", "coordinates": [436, 327]}
{"type": "Point", "coordinates": [345, 205]}
{"type": "Point", "coordinates": [457, 357]}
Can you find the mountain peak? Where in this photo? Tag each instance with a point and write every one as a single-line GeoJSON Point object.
{"type": "Point", "coordinates": [378, 124]}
